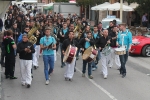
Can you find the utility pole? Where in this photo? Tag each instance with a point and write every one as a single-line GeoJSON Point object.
{"type": "Point", "coordinates": [121, 9]}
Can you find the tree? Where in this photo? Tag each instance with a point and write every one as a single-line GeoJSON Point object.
{"type": "Point", "coordinates": [61, 0]}
{"type": "Point", "coordinates": [90, 2]}
{"type": "Point", "coordinates": [143, 5]}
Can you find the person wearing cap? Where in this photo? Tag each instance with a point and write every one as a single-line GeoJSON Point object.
{"type": "Point", "coordinates": [124, 39]}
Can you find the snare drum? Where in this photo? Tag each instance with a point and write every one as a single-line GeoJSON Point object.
{"type": "Point", "coordinates": [70, 54]}
{"type": "Point", "coordinates": [120, 51]}
{"type": "Point", "coordinates": [89, 54]}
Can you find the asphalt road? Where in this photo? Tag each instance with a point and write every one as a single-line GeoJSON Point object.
{"type": "Point", "coordinates": [135, 86]}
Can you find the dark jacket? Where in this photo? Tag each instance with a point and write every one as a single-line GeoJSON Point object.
{"type": "Point", "coordinates": [68, 42]}
{"type": "Point", "coordinates": [82, 43]}
{"type": "Point", "coordinates": [113, 41]}
{"type": "Point", "coordinates": [8, 23]}
{"type": "Point", "coordinates": [22, 54]}
{"type": "Point", "coordinates": [62, 38]}
{"type": "Point", "coordinates": [15, 36]}
{"type": "Point", "coordinates": [96, 40]}
{"type": "Point", "coordinates": [103, 41]}
{"type": "Point", "coordinates": [1, 23]}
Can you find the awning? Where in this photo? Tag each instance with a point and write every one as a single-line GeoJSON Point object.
{"type": "Point", "coordinates": [29, 1]}
{"type": "Point", "coordinates": [48, 6]}
{"type": "Point", "coordinates": [98, 7]}
{"type": "Point", "coordinates": [116, 7]}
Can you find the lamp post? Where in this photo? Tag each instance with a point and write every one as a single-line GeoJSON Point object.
{"type": "Point", "coordinates": [121, 9]}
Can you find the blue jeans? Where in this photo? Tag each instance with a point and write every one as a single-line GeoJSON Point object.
{"type": "Point", "coordinates": [123, 60]}
{"type": "Point", "coordinates": [89, 67]}
{"type": "Point", "coordinates": [62, 56]}
{"type": "Point", "coordinates": [78, 51]}
{"type": "Point", "coordinates": [1, 28]}
{"type": "Point", "coordinates": [48, 65]}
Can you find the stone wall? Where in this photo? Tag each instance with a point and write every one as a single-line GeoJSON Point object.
{"type": "Point", "coordinates": [3, 7]}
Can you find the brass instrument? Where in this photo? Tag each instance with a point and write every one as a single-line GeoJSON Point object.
{"type": "Point", "coordinates": [77, 31]}
{"type": "Point", "coordinates": [37, 34]}
{"type": "Point", "coordinates": [31, 37]}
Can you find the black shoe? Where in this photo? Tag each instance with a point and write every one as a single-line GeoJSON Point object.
{"type": "Point", "coordinates": [7, 76]}
{"type": "Point", "coordinates": [123, 75]}
{"type": "Point", "coordinates": [70, 80]}
{"type": "Point", "coordinates": [28, 85]}
{"type": "Point", "coordinates": [3, 65]}
{"type": "Point", "coordinates": [13, 78]}
{"type": "Point", "coordinates": [74, 69]}
{"type": "Point", "coordinates": [121, 72]}
{"type": "Point", "coordinates": [35, 67]}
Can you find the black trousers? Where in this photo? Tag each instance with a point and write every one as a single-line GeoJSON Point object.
{"type": "Point", "coordinates": [10, 65]}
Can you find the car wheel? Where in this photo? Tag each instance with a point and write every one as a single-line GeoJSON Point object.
{"type": "Point", "coordinates": [146, 51]}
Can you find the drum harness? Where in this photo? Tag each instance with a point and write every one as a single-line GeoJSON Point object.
{"type": "Point", "coordinates": [123, 35]}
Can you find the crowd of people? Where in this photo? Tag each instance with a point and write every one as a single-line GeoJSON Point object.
{"type": "Point", "coordinates": [56, 32]}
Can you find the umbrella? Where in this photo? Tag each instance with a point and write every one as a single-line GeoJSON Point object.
{"type": "Point", "coordinates": [133, 5]}
{"type": "Point", "coordinates": [98, 7]}
{"type": "Point", "coordinates": [116, 7]}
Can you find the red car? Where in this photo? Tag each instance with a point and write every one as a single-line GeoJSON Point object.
{"type": "Point", "coordinates": [141, 45]}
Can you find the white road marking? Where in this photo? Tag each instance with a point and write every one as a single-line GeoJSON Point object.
{"type": "Point", "coordinates": [98, 86]}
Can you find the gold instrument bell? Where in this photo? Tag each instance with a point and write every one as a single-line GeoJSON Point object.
{"type": "Point", "coordinates": [31, 37]}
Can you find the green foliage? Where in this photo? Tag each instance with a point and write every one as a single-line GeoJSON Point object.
{"type": "Point", "coordinates": [61, 0]}
{"type": "Point", "coordinates": [143, 6]}
{"type": "Point", "coordinates": [90, 2]}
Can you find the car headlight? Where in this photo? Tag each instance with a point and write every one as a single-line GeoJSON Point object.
{"type": "Point", "coordinates": [135, 43]}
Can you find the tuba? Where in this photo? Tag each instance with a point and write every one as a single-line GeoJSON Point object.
{"type": "Point", "coordinates": [77, 31]}
{"type": "Point", "coordinates": [31, 37]}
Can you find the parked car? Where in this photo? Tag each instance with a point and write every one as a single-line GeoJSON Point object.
{"type": "Point", "coordinates": [105, 22]}
{"type": "Point", "coordinates": [141, 45]}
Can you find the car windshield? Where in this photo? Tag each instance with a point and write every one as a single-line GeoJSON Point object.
{"type": "Point", "coordinates": [147, 34]}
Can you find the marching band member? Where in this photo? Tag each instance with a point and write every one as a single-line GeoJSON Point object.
{"type": "Point", "coordinates": [25, 50]}
{"type": "Point", "coordinates": [36, 55]}
{"type": "Point", "coordinates": [84, 44]}
{"type": "Point", "coordinates": [63, 34]}
{"type": "Point", "coordinates": [48, 44]}
{"type": "Point", "coordinates": [124, 38]}
{"type": "Point", "coordinates": [96, 37]}
{"type": "Point", "coordinates": [103, 42]}
{"type": "Point", "coordinates": [113, 56]}
{"type": "Point", "coordinates": [69, 67]}
{"type": "Point", "coordinates": [87, 29]}
{"type": "Point", "coordinates": [10, 47]}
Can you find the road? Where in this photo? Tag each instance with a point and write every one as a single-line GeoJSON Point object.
{"type": "Point", "coordinates": [135, 86]}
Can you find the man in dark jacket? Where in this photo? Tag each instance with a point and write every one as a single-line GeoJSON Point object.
{"type": "Point", "coordinates": [25, 50]}
{"type": "Point", "coordinates": [1, 24]}
{"type": "Point", "coordinates": [62, 35]}
{"type": "Point", "coordinates": [16, 32]}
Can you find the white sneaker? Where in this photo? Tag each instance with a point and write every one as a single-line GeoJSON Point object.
{"type": "Point", "coordinates": [47, 82]}
{"type": "Point", "coordinates": [105, 76]}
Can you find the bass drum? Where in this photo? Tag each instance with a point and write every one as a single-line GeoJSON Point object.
{"type": "Point", "coordinates": [89, 54]}
{"type": "Point", "coordinates": [70, 54]}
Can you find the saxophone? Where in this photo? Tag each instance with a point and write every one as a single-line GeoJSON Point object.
{"type": "Point", "coordinates": [31, 37]}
